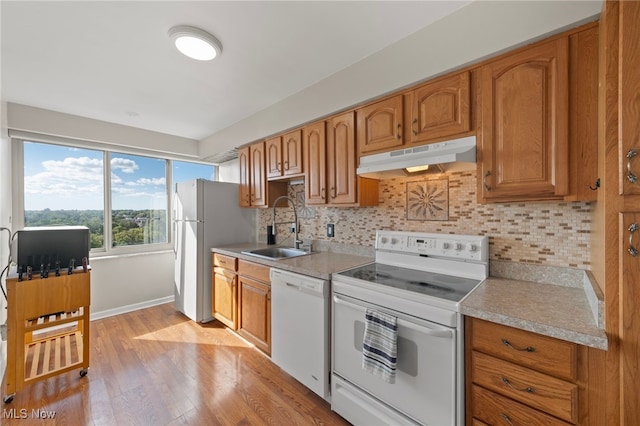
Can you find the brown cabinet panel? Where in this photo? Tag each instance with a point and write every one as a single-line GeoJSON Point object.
{"type": "Point", "coordinates": [225, 297]}
{"type": "Point", "coordinates": [257, 175]}
{"type": "Point", "coordinates": [341, 159]}
{"type": "Point", "coordinates": [629, 101]}
{"type": "Point", "coordinates": [541, 353]}
{"type": "Point", "coordinates": [438, 109]}
{"type": "Point", "coordinates": [226, 262]}
{"type": "Point", "coordinates": [315, 145]}
{"type": "Point", "coordinates": [494, 409]}
{"type": "Point", "coordinates": [255, 313]}
{"type": "Point", "coordinates": [253, 270]}
{"type": "Point", "coordinates": [524, 124]}
{"type": "Point", "coordinates": [292, 153]}
{"type": "Point", "coordinates": [554, 396]}
{"type": "Point", "coordinates": [273, 148]}
{"type": "Point", "coordinates": [245, 177]}
{"type": "Point", "coordinates": [380, 126]}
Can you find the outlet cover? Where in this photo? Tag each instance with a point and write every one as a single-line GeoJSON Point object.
{"type": "Point", "coordinates": [330, 230]}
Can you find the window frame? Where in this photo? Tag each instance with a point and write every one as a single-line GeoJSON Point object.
{"type": "Point", "coordinates": [18, 210]}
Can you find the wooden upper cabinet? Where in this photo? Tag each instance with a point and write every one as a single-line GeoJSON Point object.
{"type": "Point", "coordinates": [292, 153]}
{"type": "Point", "coordinates": [341, 159]}
{"type": "Point", "coordinates": [245, 177]}
{"type": "Point", "coordinates": [284, 155]}
{"type": "Point", "coordinates": [629, 98]}
{"type": "Point", "coordinates": [273, 148]}
{"type": "Point", "coordinates": [257, 174]}
{"type": "Point", "coordinates": [315, 163]}
{"type": "Point", "coordinates": [380, 126]}
{"type": "Point", "coordinates": [523, 138]}
{"type": "Point", "coordinates": [438, 109]}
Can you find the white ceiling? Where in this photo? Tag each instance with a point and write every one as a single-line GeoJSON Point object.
{"type": "Point", "coordinates": [113, 61]}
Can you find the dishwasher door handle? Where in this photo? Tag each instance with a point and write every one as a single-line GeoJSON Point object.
{"type": "Point", "coordinates": [411, 324]}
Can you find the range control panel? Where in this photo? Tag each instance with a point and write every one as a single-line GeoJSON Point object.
{"type": "Point", "coordinates": [464, 247]}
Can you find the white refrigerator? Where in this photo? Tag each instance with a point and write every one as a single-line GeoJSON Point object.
{"type": "Point", "coordinates": [206, 214]}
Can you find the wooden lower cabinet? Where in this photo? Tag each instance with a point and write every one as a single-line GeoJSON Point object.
{"type": "Point", "coordinates": [254, 300]}
{"type": "Point", "coordinates": [515, 377]}
{"type": "Point", "coordinates": [225, 297]}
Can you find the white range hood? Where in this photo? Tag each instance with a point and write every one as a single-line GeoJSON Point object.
{"type": "Point", "coordinates": [452, 155]}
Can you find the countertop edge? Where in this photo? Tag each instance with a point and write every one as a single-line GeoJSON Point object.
{"type": "Point", "coordinates": [597, 341]}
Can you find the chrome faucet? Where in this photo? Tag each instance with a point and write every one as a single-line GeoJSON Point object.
{"type": "Point", "coordinates": [296, 241]}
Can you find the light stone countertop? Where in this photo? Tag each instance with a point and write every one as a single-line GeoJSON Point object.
{"type": "Point", "coordinates": [551, 310]}
{"type": "Point", "coordinates": [317, 264]}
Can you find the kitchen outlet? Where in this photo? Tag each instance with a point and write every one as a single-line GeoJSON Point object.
{"type": "Point", "coordinates": [292, 228]}
{"type": "Point", "coordinates": [330, 230]}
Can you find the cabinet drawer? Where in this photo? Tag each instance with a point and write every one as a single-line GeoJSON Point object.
{"type": "Point", "coordinates": [546, 393]}
{"type": "Point", "coordinates": [493, 409]}
{"type": "Point", "coordinates": [254, 270]}
{"type": "Point", "coordinates": [227, 274]}
{"type": "Point", "coordinates": [538, 352]}
{"type": "Point", "coordinates": [226, 262]}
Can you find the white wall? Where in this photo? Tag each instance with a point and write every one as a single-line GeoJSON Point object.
{"type": "Point", "coordinates": [41, 121]}
{"type": "Point", "coordinates": [229, 171]}
{"type": "Point", "coordinates": [472, 33]}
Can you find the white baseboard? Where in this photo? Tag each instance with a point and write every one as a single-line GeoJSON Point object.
{"type": "Point", "coordinates": [130, 308]}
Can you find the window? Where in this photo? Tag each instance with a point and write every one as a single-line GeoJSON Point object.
{"type": "Point", "coordinates": [127, 195]}
{"type": "Point", "coordinates": [138, 200]}
{"type": "Point", "coordinates": [64, 186]}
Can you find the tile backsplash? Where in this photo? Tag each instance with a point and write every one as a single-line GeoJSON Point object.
{"type": "Point", "coordinates": [555, 234]}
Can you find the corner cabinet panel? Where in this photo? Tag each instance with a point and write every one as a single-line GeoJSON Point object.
{"type": "Point", "coordinates": [524, 124]}
{"type": "Point", "coordinates": [245, 176]}
{"type": "Point", "coordinates": [341, 153]}
{"type": "Point", "coordinates": [315, 145]}
{"type": "Point", "coordinates": [438, 109]}
{"type": "Point", "coordinates": [380, 126]}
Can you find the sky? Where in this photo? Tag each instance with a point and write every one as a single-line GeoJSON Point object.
{"type": "Point", "coordinates": [65, 178]}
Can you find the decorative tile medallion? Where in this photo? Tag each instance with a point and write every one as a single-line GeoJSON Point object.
{"type": "Point", "coordinates": [428, 200]}
{"type": "Point", "coordinates": [304, 212]}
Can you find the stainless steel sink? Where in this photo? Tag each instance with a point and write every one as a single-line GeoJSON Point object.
{"type": "Point", "coordinates": [276, 253]}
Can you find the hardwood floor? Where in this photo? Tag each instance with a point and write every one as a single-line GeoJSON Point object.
{"type": "Point", "coordinates": [156, 367]}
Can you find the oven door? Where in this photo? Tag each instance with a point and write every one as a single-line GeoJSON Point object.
{"type": "Point", "coordinates": [426, 362]}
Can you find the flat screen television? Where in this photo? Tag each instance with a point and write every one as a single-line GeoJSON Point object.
{"type": "Point", "coordinates": [44, 245]}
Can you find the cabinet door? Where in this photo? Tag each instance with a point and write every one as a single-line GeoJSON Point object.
{"type": "Point", "coordinates": [315, 146]}
{"type": "Point", "coordinates": [629, 319]}
{"type": "Point", "coordinates": [439, 109]}
{"type": "Point", "coordinates": [380, 126]}
{"type": "Point", "coordinates": [273, 149]}
{"type": "Point", "coordinates": [245, 173]}
{"type": "Point", "coordinates": [341, 159]}
{"type": "Point", "coordinates": [225, 299]}
{"type": "Point", "coordinates": [255, 313]}
{"type": "Point", "coordinates": [257, 172]}
{"type": "Point", "coordinates": [629, 101]}
{"type": "Point", "coordinates": [524, 124]}
{"type": "Point", "coordinates": [292, 153]}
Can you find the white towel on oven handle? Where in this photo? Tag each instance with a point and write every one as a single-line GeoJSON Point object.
{"type": "Point", "coordinates": [380, 345]}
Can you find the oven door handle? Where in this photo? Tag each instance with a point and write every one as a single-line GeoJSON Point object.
{"type": "Point", "coordinates": [424, 329]}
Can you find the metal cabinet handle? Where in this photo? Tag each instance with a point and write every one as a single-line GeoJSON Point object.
{"type": "Point", "coordinates": [286, 165]}
{"type": "Point", "coordinates": [484, 181]}
{"type": "Point", "coordinates": [509, 345]}
{"type": "Point", "coordinates": [632, 250]}
{"type": "Point", "coordinates": [279, 166]}
{"type": "Point", "coordinates": [413, 126]}
{"type": "Point", "coordinates": [332, 192]}
{"type": "Point", "coordinates": [506, 418]}
{"type": "Point", "coordinates": [528, 389]}
{"type": "Point", "coordinates": [322, 191]}
{"type": "Point", "coordinates": [399, 127]}
{"type": "Point", "coordinates": [631, 177]}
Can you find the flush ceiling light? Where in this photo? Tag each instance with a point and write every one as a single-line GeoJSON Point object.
{"type": "Point", "coordinates": [195, 43]}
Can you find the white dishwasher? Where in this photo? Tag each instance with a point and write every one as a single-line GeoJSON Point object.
{"type": "Point", "coordinates": [300, 328]}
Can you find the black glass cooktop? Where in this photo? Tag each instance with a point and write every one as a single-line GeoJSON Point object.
{"type": "Point", "coordinates": [446, 287]}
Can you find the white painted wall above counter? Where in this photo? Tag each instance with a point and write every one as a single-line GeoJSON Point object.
{"type": "Point", "coordinates": [477, 31]}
